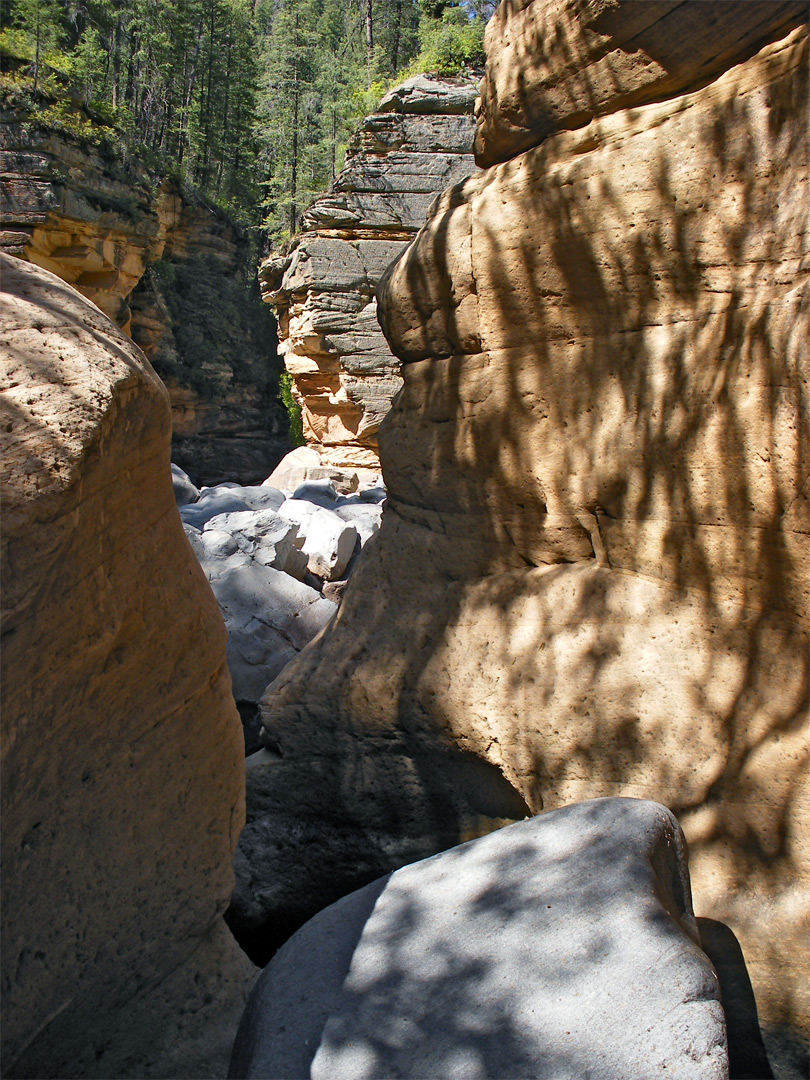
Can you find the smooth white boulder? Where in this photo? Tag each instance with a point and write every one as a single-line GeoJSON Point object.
{"type": "Point", "coordinates": [301, 512]}
{"type": "Point", "coordinates": [304, 463]}
{"type": "Point", "coordinates": [216, 543]}
{"type": "Point", "coordinates": [366, 517]}
{"type": "Point", "coordinates": [230, 498]}
{"type": "Point", "coordinates": [263, 535]}
{"type": "Point", "coordinates": [563, 946]}
{"type": "Point", "coordinates": [293, 468]}
{"type": "Point", "coordinates": [321, 492]}
{"type": "Point", "coordinates": [216, 550]}
{"type": "Point", "coordinates": [329, 544]}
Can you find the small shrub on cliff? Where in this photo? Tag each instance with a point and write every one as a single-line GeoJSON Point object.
{"type": "Point", "coordinates": [293, 409]}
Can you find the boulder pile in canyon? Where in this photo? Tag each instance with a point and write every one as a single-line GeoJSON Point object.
{"type": "Point", "coordinates": [123, 781]}
{"type": "Point", "coordinates": [592, 576]}
{"type": "Point", "coordinates": [417, 143]}
{"type": "Point", "coordinates": [278, 561]}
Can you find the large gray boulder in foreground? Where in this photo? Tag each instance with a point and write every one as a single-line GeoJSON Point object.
{"type": "Point", "coordinates": [563, 946]}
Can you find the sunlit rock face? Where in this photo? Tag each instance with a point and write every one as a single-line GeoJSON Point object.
{"type": "Point", "coordinates": [68, 208]}
{"type": "Point", "coordinates": [122, 784]}
{"type": "Point", "coordinates": [418, 143]}
{"type": "Point", "coordinates": [555, 66]}
{"type": "Point", "coordinates": [592, 572]}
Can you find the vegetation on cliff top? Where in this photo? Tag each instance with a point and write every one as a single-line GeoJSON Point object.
{"type": "Point", "coordinates": [250, 101]}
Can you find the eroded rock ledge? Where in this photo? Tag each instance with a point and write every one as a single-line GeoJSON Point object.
{"type": "Point", "coordinates": [417, 143]}
{"type": "Point", "coordinates": [169, 268]}
{"type": "Point", "coordinates": [592, 574]}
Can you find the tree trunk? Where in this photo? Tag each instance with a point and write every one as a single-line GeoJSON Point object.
{"type": "Point", "coordinates": [36, 55]}
{"type": "Point", "coordinates": [397, 26]}
{"type": "Point", "coordinates": [294, 176]}
{"type": "Point", "coordinates": [334, 141]}
{"type": "Point", "coordinates": [116, 64]}
{"type": "Point", "coordinates": [370, 38]}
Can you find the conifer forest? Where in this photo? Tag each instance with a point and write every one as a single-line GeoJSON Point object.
{"type": "Point", "coordinates": [251, 102]}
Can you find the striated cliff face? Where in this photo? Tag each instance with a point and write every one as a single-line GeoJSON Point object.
{"type": "Point", "coordinates": [592, 574]}
{"type": "Point", "coordinates": [214, 345]}
{"type": "Point", "coordinates": [122, 786]}
{"type": "Point", "coordinates": [72, 209]}
{"type": "Point", "coordinates": [170, 269]}
{"type": "Point", "coordinates": [417, 143]}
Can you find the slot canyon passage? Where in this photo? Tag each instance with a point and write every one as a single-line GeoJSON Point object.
{"type": "Point", "coordinates": [591, 579]}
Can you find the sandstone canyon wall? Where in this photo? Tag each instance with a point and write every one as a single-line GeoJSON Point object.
{"type": "Point", "coordinates": [417, 143]}
{"type": "Point", "coordinates": [214, 345]}
{"type": "Point", "coordinates": [122, 783]}
{"type": "Point", "coordinates": [592, 575]}
{"type": "Point", "coordinates": [170, 268]}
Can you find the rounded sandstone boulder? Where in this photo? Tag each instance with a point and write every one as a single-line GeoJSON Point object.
{"type": "Point", "coordinates": [123, 789]}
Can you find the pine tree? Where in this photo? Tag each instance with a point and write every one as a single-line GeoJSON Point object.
{"type": "Point", "coordinates": [326, 61]}
{"type": "Point", "coordinates": [287, 109]}
{"type": "Point", "coordinates": [42, 21]}
{"type": "Point", "coordinates": [235, 94]}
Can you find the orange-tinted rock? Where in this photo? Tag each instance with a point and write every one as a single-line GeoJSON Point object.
{"type": "Point", "coordinates": [592, 574]}
{"type": "Point", "coordinates": [122, 793]}
{"type": "Point", "coordinates": [170, 269]}
{"type": "Point", "coordinates": [344, 376]}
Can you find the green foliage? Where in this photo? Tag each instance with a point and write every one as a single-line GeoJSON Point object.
{"type": "Point", "coordinates": [324, 65]}
{"type": "Point", "coordinates": [252, 102]}
{"type": "Point", "coordinates": [293, 409]}
{"type": "Point", "coordinates": [61, 116]}
{"type": "Point", "coordinates": [40, 22]}
{"type": "Point", "coordinates": [176, 79]}
{"type": "Point", "coordinates": [451, 38]}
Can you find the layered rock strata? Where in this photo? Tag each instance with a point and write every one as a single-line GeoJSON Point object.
{"type": "Point", "coordinates": [170, 269]}
{"type": "Point", "coordinates": [122, 786]}
{"type": "Point", "coordinates": [417, 143]}
{"type": "Point", "coordinates": [592, 577]}
{"type": "Point", "coordinates": [556, 66]}
{"type": "Point", "coordinates": [69, 208]}
{"type": "Point", "coordinates": [550, 933]}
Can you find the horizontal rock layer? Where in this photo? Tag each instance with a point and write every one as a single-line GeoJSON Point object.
{"type": "Point", "coordinates": [170, 269]}
{"type": "Point", "coordinates": [592, 575]}
{"type": "Point", "coordinates": [558, 65]}
{"type": "Point", "coordinates": [72, 210]}
{"type": "Point", "coordinates": [122, 786]}
{"type": "Point", "coordinates": [416, 144]}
